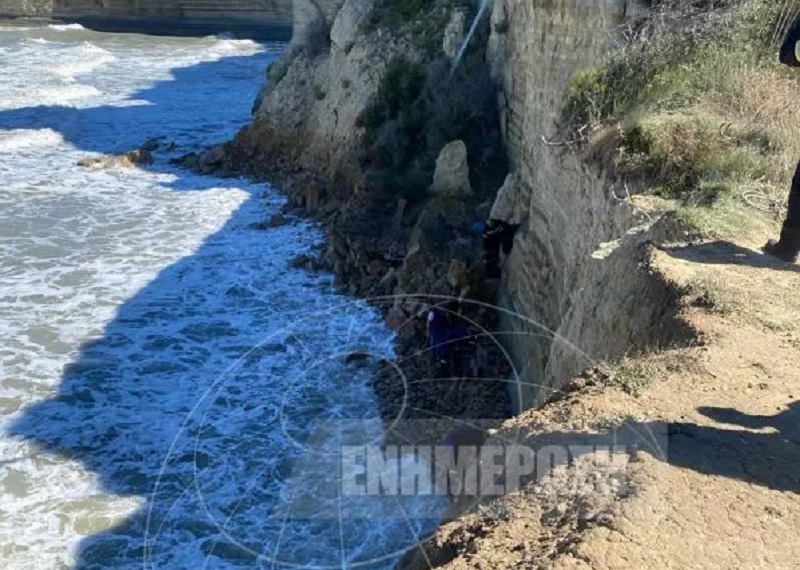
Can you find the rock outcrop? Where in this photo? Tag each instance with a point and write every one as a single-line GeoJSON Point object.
{"type": "Point", "coordinates": [508, 206]}
{"type": "Point", "coordinates": [137, 157]}
{"type": "Point", "coordinates": [451, 177]}
{"type": "Point", "coordinates": [349, 22]}
{"type": "Point", "coordinates": [579, 306]}
{"type": "Point", "coordinates": [310, 105]}
{"type": "Point", "coordinates": [454, 34]}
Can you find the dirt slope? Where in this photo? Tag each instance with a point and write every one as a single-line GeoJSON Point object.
{"type": "Point", "coordinates": [712, 442]}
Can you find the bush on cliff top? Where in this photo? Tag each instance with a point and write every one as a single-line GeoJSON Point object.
{"type": "Point", "coordinates": [695, 106]}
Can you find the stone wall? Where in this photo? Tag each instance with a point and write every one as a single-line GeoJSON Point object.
{"type": "Point", "coordinates": [583, 299]}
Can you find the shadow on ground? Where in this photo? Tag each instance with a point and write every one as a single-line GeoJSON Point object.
{"type": "Point", "coordinates": [727, 253]}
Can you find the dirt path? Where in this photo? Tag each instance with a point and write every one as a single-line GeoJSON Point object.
{"type": "Point", "coordinates": [712, 439]}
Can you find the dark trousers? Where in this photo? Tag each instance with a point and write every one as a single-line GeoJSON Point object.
{"type": "Point", "coordinates": [793, 215]}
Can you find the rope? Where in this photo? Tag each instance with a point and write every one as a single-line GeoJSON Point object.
{"type": "Point", "coordinates": [757, 198]}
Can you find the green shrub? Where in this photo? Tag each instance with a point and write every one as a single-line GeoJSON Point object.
{"type": "Point", "coordinates": [417, 111]}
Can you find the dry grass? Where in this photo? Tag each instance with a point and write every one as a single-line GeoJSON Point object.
{"type": "Point", "coordinates": [711, 294]}
{"type": "Point", "coordinates": [714, 127]}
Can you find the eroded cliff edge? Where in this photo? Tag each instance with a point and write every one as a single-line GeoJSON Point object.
{"type": "Point", "coordinates": [578, 268]}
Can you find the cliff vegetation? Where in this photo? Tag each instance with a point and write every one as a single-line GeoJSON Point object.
{"type": "Point", "coordinates": [695, 112]}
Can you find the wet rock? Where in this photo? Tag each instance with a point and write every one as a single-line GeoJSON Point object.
{"type": "Point", "coordinates": [139, 156]}
{"type": "Point", "coordinates": [151, 144]}
{"type": "Point", "coordinates": [228, 551]}
{"type": "Point", "coordinates": [84, 395]}
{"type": "Point", "coordinates": [356, 357]}
{"type": "Point", "coordinates": [303, 261]}
{"type": "Point", "coordinates": [212, 158]}
{"type": "Point", "coordinates": [451, 177]}
{"type": "Point", "coordinates": [275, 221]}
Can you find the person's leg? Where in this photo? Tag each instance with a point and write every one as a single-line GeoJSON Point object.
{"type": "Point", "coordinates": [509, 231]}
{"type": "Point", "coordinates": [793, 215]}
{"type": "Point", "coordinates": [788, 247]}
{"type": "Point", "coordinates": [492, 240]}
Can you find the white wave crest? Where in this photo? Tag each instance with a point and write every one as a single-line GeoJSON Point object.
{"type": "Point", "coordinates": [23, 138]}
{"type": "Point", "coordinates": [65, 27]}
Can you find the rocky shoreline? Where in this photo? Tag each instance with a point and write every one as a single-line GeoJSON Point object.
{"type": "Point", "coordinates": [392, 259]}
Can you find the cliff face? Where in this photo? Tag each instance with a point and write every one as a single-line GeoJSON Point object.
{"type": "Point", "coordinates": [274, 16]}
{"type": "Point", "coordinates": [577, 271]}
{"type": "Point", "coordinates": [309, 107]}
{"type": "Point", "coordinates": [578, 275]}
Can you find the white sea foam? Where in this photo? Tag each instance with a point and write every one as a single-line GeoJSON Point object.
{"type": "Point", "coordinates": [20, 139]}
{"type": "Point", "coordinates": [227, 45]}
{"type": "Point", "coordinates": [66, 27]}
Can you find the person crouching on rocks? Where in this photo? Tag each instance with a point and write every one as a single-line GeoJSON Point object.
{"type": "Point", "coordinates": [501, 227]}
{"type": "Point", "coordinates": [788, 247]}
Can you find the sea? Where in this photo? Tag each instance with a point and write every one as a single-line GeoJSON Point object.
{"type": "Point", "coordinates": [174, 392]}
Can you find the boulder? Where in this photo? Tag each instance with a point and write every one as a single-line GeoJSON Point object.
{"type": "Point", "coordinates": [151, 144]}
{"type": "Point", "coordinates": [349, 22]}
{"type": "Point", "coordinates": [498, 39]}
{"type": "Point", "coordinates": [454, 34]}
{"type": "Point", "coordinates": [140, 156]}
{"type": "Point", "coordinates": [130, 159]}
{"type": "Point", "coordinates": [451, 177]}
{"type": "Point", "coordinates": [309, 26]}
{"type": "Point", "coordinates": [507, 206]}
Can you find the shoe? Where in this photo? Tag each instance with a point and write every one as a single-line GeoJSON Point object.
{"type": "Point", "coordinates": [777, 249]}
{"type": "Point", "coordinates": [788, 247]}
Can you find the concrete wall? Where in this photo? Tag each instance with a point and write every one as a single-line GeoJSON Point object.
{"type": "Point", "coordinates": [581, 308]}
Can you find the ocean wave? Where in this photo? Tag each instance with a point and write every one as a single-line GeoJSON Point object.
{"type": "Point", "coordinates": [66, 27]}
{"type": "Point", "coordinates": [225, 45]}
{"type": "Point", "coordinates": [24, 138]}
